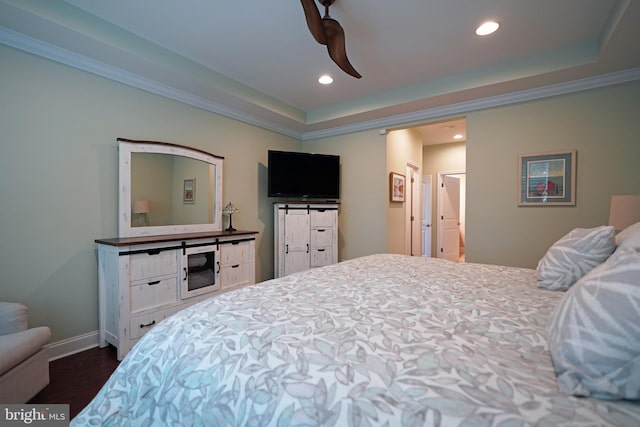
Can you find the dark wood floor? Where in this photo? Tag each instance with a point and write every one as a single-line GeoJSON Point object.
{"type": "Point", "coordinates": [76, 379]}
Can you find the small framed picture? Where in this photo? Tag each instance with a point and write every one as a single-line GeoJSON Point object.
{"type": "Point", "coordinates": [396, 187]}
{"type": "Point", "coordinates": [189, 194]}
{"type": "Point", "coordinates": [547, 179]}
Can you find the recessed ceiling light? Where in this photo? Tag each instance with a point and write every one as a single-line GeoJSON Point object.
{"type": "Point", "coordinates": [325, 79]}
{"type": "Point", "coordinates": [487, 28]}
{"type": "Point", "coordinates": [458, 136]}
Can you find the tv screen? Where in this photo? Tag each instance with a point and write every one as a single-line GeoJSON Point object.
{"type": "Point", "coordinates": [303, 175]}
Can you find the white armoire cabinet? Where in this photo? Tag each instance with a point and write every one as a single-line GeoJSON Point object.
{"type": "Point", "coordinates": [305, 236]}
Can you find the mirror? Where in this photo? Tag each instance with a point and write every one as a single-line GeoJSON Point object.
{"type": "Point", "coordinates": [168, 189]}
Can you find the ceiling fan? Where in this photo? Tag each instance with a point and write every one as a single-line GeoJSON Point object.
{"type": "Point", "coordinates": [329, 32]}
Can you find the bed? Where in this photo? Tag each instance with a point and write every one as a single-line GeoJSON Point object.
{"type": "Point", "coordinates": [381, 340]}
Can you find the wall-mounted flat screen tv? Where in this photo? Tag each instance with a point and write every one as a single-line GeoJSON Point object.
{"type": "Point", "coordinates": [303, 175]}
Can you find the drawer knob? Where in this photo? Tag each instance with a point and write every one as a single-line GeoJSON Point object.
{"type": "Point", "coordinates": [153, 322]}
{"type": "Point", "coordinates": [153, 283]}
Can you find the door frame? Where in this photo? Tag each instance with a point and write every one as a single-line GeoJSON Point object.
{"type": "Point", "coordinates": [427, 214]}
{"type": "Point", "coordinates": [412, 207]}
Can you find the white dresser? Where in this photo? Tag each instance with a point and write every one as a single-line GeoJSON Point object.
{"type": "Point", "coordinates": [143, 280]}
{"type": "Point", "coordinates": [305, 236]}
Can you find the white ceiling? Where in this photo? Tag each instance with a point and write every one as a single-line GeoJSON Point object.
{"type": "Point", "coordinates": [257, 61]}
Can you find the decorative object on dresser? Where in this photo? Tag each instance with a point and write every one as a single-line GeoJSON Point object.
{"type": "Point", "coordinates": [305, 236]}
{"type": "Point", "coordinates": [180, 257]}
{"type": "Point", "coordinates": [230, 209]}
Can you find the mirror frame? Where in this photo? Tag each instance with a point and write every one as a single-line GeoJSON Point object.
{"type": "Point", "coordinates": [128, 146]}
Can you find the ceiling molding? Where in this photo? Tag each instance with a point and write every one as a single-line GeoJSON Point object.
{"type": "Point", "coordinates": [81, 62]}
{"type": "Point", "coordinates": [466, 107]}
{"type": "Point", "coordinates": [66, 57]}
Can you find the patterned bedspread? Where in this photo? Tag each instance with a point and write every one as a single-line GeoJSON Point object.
{"type": "Point", "coordinates": [382, 340]}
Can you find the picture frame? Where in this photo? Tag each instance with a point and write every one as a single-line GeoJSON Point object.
{"type": "Point", "coordinates": [547, 179]}
{"type": "Point", "coordinates": [396, 187]}
{"type": "Point", "coordinates": [189, 192]}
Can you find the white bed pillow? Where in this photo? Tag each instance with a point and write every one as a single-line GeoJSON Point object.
{"type": "Point", "coordinates": [573, 256]}
{"type": "Point", "coordinates": [594, 332]}
{"type": "Point", "coordinates": [630, 236]}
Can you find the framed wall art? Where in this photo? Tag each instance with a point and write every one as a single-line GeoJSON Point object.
{"type": "Point", "coordinates": [189, 193]}
{"type": "Point", "coordinates": [547, 179]}
{"type": "Point", "coordinates": [396, 187]}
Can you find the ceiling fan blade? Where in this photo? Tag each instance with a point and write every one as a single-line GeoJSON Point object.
{"type": "Point", "coordinates": [314, 22]}
{"type": "Point", "coordinates": [337, 46]}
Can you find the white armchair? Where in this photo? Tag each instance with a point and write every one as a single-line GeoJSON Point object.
{"type": "Point", "coordinates": [24, 357]}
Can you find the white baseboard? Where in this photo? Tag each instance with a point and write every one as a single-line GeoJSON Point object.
{"type": "Point", "coordinates": [60, 349]}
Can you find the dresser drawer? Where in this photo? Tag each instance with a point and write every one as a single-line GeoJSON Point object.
{"type": "Point", "coordinates": [321, 256]}
{"type": "Point", "coordinates": [142, 266]}
{"type": "Point", "coordinates": [153, 293]}
{"type": "Point", "coordinates": [322, 218]}
{"type": "Point", "coordinates": [234, 253]}
{"type": "Point", "coordinates": [139, 325]}
{"type": "Point", "coordinates": [234, 275]}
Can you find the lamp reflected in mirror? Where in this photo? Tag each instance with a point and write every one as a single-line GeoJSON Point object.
{"type": "Point", "coordinates": [230, 210]}
{"type": "Point", "coordinates": [141, 209]}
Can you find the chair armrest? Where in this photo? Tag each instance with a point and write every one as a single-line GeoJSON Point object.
{"type": "Point", "coordinates": [14, 317]}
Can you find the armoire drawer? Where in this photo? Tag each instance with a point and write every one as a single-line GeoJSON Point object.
{"type": "Point", "coordinates": [321, 236]}
{"type": "Point", "coordinates": [321, 218]}
{"type": "Point", "coordinates": [321, 256]}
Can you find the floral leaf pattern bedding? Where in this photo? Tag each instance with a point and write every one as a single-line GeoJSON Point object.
{"type": "Point", "coordinates": [382, 340]}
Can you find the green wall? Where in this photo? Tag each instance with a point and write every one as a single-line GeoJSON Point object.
{"type": "Point", "coordinates": [603, 125]}
{"type": "Point", "coordinates": [362, 221]}
{"type": "Point", "coordinates": [404, 146]}
{"type": "Point", "coordinates": [58, 177]}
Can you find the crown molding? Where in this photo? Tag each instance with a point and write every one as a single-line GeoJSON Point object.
{"type": "Point", "coordinates": [480, 104]}
{"type": "Point", "coordinates": [66, 57]}
{"type": "Point", "coordinates": [81, 62]}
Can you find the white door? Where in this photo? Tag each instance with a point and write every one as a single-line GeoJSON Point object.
{"type": "Point", "coordinates": [296, 241]}
{"type": "Point", "coordinates": [412, 241]}
{"type": "Point", "coordinates": [450, 218]}
{"type": "Point", "coordinates": [426, 215]}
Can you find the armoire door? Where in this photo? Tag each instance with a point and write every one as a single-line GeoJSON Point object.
{"type": "Point", "coordinates": [296, 240]}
